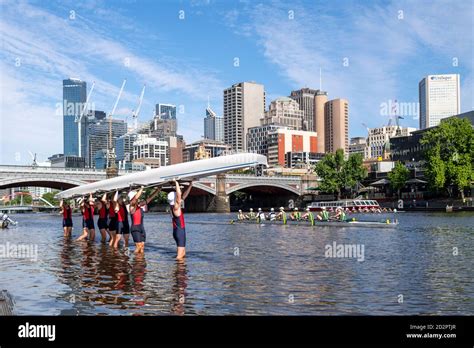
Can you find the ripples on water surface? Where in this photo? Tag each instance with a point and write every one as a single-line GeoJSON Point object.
{"type": "Point", "coordinates": [278, 270]}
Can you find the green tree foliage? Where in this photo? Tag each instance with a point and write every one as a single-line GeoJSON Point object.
{"type": "Point", "coordinates": [449, 155]}
{"type": "Point", "coordinates": [160, 199]}
{"type": "Point", "coordinates": [398, 177]}
{"type": "Point", "coordinates": [49, 196]}
{"type": "Point", "coordinates": [338, 174]}
{"type": "Point", "coordinates": [17, 200]}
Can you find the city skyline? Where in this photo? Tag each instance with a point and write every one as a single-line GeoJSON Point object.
{"type": "Point", "coordinates": [368, 54]}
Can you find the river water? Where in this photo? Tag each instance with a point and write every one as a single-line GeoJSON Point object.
{"type": "Point", "coordinates": [424, 266]}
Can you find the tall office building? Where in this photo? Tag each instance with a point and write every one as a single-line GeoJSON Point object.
{"type": "Point", "coordinates": [378, 140]}
{"type": "Point", "coordinates": [166, 111]}
{"type": "Point", "coordinates": [320, 99]}
{"type": "Point", "coordinates": [124, 147]}
{"type": "Point", "coordinates": [213, 125]}
{"type": "Point", "coordinates": [98, 137]}
{"type": "Point", "coordinates": [439, 98]}
{"type": "Point", "coordinates": [358, 145]}
{"type": "Point", "coordinates": [286, 112]}
{"type": "Point", "coordinates": [161, 128]}
{"type": "Point", "coordinates": [150, 151]}
{"type": "Point", "coordinates": [244, 106]}
{"type": "Point", "coordinates": [305, 98]}
{"type": "Point", "coordinates": [74, 97]}
{"type": "Point", "coordinates": [336, 127]}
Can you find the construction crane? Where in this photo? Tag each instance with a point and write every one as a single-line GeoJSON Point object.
{"type": "Point", "coordinates": [137, 112]}
{"type": "Point", "coordinates": [111, 149]}
{"type": "Point", "coordinates": [78, 120]}
{"type": "Point", "coordinates": [393, 116]}
{"type": "Point", "coordinates": [33, 157]}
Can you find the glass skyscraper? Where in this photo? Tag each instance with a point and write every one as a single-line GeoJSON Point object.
{"type": "Point", "coordinates": [166, 111]}
{"type": "Point", "coordinates": [74, 97]}
{"type": "Point", "coordinates": [439, 98]}
{"type": "Point", "coordinates": [213, 126]}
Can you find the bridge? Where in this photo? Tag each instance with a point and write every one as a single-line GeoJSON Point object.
{"type": "Point", "coordinates": [209, 194]}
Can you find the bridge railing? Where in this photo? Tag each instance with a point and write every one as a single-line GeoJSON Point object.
{"type": "Point", "coordinates": [18, 168]}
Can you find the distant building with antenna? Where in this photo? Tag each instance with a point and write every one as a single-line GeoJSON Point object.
{"type": "Point", "coordinates": [213, 125]}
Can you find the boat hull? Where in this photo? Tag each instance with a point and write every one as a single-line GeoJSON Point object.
{"type": "Point", "coordinates": [359, 224]}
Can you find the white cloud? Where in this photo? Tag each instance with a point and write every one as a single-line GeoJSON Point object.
{"type": "Point", "coordinates": [51, 48]}
{"type": "Point", "coordinates": [383, 52]}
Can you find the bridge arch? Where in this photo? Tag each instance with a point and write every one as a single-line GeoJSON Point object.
{"type": "Point", "coordinates": [51, 182]}
{"type": "Point", "coordinates": [204, 187]}
{"type": "Point", "coordinates": [250, 185]}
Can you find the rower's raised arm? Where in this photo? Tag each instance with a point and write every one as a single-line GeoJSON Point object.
{"type": "Point", "coordinates": [178, 193]}
{"type": "Point", "coordinates": [116, 206]}
{"type": "Point", "coordinates": [153, 195]}
{"type": "Point", "coordinates": [188, 190]}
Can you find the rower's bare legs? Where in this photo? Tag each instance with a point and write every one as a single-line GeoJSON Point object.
{"type": "Point", "coordinates": [117, 240]}
{"type": "Point", "coordinates": [125, 239]}
{"type": "Point", "coordinates": [67, 231]}
{"type": "Point", "coordinates": [112, 238]}
{"type": "Point", "coordinates": [140, 248]}
{"type": "Point", "coordinates": [85, 233]}
{"type": "Point", "coordinates": [103, 235]}
{"type": "Point", "coordinates": [181, 253]}
{"type": "Point", "coordinates": [92, 235]}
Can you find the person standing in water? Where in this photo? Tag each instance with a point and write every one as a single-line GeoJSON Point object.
{"type": "Point", "coordinates": [102, 222]}
{"type": "Point", "coordinates": [123, 228]}
{"type": "Point", "coordinates": [112, 220]}
{"type": "Point", "coordinates": [66, 211]}
{"type": "Point", "coordinates": [87, 209]}
{"type": "Point", "coordinates": [136, 212]}
{"type": "Point", "coordinates": [175, 198]}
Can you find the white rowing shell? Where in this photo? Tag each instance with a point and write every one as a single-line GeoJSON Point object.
{"type": "Point", "coordinates": [181, 171]}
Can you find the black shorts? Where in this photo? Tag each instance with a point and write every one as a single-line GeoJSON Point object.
{"type": "Point", "coordinates": [123, 228]}
{"type": "Point", "coordinates": [179, 235]}
{"type": "Point", "coordinates": [102, 223]}
{"type": "Point", "coordinates": [67, 222]}
{"type": "Point", "coordinates": [138, 233]}
{"type": "Point", "coordinates": [113, 224]}
{"type": "Point", "coordinates": [88, 224]}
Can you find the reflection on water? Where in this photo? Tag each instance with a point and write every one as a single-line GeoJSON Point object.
{"type": "Point", "coordinates": [251, 269]}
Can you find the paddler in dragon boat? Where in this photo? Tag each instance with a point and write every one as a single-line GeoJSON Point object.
{"type": "Point", "coordinates": [308, 215]}
{"type": "Point", "coordinates": [282, 215]}
{"type": "Point", "coordinates": [296, 215]}
{"type": "Point", "coordinates": [260, 215]}
{"type": "Point", "coordinates": [241, 216]}
{"type": "Point", "coordinates": [272, 215]}
{"type": "Point", "coordinates": [340, 214]}
{"type": "Point", "coordinates": [251, 215]}
{"type": "Point", "coordinates": [324, 215]}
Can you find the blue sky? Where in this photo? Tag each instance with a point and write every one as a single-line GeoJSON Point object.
{"type": "Point", "coordinates": [388, 45]}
